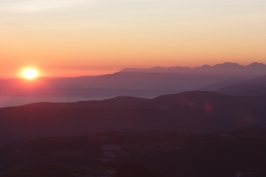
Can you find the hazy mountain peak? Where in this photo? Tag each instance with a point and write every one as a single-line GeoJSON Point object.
{"type": "Point", "coordinates": [228, 64]}
{"type": "Point", "coordinates": [255, 65]}
{"type": "Point", "coordinates": [157, 67]}
{"type": "Point", "coordinates": [205, 66]}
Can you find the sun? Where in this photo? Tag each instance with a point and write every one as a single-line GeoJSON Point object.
{"type": "Point", "coordinates": [30, 73]}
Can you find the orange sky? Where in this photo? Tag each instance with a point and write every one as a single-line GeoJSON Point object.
{"type": "Point", "coordinates": [71, 38]}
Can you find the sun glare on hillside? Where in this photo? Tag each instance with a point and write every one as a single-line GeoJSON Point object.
{"type": "Point", "coordinates": [30, 73]}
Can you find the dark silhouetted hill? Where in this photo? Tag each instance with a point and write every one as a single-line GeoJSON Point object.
{"type": "Point", "coordinates": [186, 112]}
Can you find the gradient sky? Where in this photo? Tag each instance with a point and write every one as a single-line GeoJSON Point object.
{"type": "Point", "coordinates": [88, 37]}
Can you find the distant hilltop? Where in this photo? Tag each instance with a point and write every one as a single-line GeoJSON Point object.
{"type": "Point", "coordinates": [254, 68]}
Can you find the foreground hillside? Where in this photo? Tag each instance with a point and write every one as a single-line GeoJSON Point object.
{"type": "Point", "coordinates": [150, 154]}
{"type": "Point", "coordinates": [185, 112]}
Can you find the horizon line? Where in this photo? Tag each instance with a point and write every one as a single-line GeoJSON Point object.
{"type": "Point", "coordinates": [140, 68]}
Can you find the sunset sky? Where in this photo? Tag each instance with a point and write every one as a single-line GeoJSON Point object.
{"type": "Point", "coordinates": [88, 37]}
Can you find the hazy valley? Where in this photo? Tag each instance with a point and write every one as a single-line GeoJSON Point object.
{"type": "Point", "coordinates": [145, 83]}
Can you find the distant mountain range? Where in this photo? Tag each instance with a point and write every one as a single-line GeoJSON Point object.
{"type": "Point", "coordinates": [145, 83]}
{"type": "Point", "coordinates": [227, 68]}
{"type": "Point", "coordinates": [185, 112]}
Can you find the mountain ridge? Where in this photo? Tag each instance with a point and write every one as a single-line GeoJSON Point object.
{"type": "Point", "coordinates": [250, 87]}
{"type": "Point", "coordinates": [252, 67]}
{"type": "Point", "coordinates": [195, 112]}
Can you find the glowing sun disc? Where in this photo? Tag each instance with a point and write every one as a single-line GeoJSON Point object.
{"type": "Point", "coordinates": [30, 73]}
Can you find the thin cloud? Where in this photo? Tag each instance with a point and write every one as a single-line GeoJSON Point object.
{"type": "Point", "coordinates": [38, 5]}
